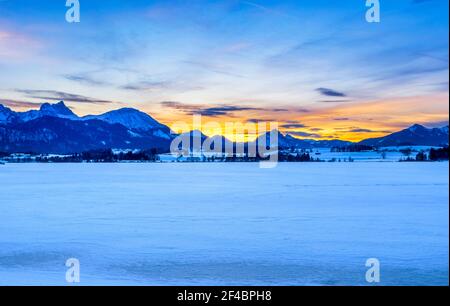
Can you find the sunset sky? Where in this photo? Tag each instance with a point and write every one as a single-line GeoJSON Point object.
{"type": "Point", "coordinates": [315, 66]}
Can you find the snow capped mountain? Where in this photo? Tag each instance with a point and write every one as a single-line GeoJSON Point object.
{"type": "Point", "coordinates": [416, 135]}
{"type": "Point", "coordinates": [130, 118]}
{"type": "Point", "coordinates": [287, 141]}
{"type": "Point", "coordinates": [55, 128]}
{"type": "Point", "coordinates": [417, 128]}
{"type": "Point", "coordinates": [64, 136]}
{"type": "Point", "coordinates": [29, 115]}
{"type": "Point", "coordinates": [445, 129]}
{"type": "Point", "coordinates": [7, 115]}
{"type": "Point", "coordinates": [59, 110]}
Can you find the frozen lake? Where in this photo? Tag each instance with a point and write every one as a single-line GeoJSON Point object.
{"type": "Point", "coordinates": [224, 224]}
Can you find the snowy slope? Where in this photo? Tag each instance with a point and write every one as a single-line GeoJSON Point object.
{"type": "Point", "coordinates": [288, 141]}
{"type": "Point", "coordinates": [130, 118]}
{"type": "Point", "coordinates": [59, 110]}
{"type": "Point", "coordinates": [6, 115]}
{"type": "Point", "coordinates": [417, 135]}
{"type": "Point", "coordinates": [139, 123]}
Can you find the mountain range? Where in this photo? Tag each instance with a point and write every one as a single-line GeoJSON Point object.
{"type": "Point", "coordinates": [416, 135]}
{"type": "Point", "coordinates": [54, 128]}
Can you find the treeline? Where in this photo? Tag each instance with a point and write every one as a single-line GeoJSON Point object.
{"type": "Point", "coordinates": [103, 156]}
{"type": "Point", "coordinates": [282, 157]}
{"type": "Point", "coordinates": [353, 148]}
{"type": "Point", "coordinates": [439, 154]}
{"type": "Point", "coordinates": [300, 157]}
{"type": "Point", "coordinates": [433, 155]}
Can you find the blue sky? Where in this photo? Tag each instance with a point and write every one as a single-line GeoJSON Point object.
{"type": "Point", "coordinates": [305, 61]}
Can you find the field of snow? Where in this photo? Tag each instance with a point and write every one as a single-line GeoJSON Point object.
{"type": "Point", "coordinates": [224, 224]}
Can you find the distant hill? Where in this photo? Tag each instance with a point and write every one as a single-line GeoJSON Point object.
{"type": "Point", "coordinates": [416, 135]}
{"type": "Point", "coordinates": [287, 142]}
{"type": "Point", "coordinates": [134, 120]}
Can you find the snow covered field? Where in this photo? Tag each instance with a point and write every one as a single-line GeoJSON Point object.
{"type": "Point", "coordinates": [224, 224]}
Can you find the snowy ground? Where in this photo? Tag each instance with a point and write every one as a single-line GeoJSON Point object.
{"type": "Point", "coordinates": [224, 224]}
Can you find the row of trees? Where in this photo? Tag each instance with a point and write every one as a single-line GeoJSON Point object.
{"type": "Point", "coordinates": [300, 157]}
{"type": "Point", "coordinates": [434, 155]}
{"type": "Point", "coordinates": [353, 148]}
{"type": "Point", "coordinates": [152, 156]}
{"type": "Point", "coordinates": [439, 154]}
{"type": "Point", "coordinates": [103, 156]}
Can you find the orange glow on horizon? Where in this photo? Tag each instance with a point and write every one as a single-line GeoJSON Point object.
{"type": "Point", "coordinates": [354, 121]}
{"type": "Point", "coordinates": [350, 121]}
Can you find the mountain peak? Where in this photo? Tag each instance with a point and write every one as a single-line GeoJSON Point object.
{"type": "Point", "coordinates": [4, 108]}
{"type": "Point", "coordinates": [417, 127]}
{"type": "Point", "coordinates": [59, 110]}
{"type": "Point", "coordinates": [416, 135]}
{"type": "Point", "coordinates": [6, 114]}
{"type": "Point", "coordinates": [195, 133]}
{"type": "Point", "coordinates": [127, 110]}
{"type": "Point", "coordinates": [131, 118]}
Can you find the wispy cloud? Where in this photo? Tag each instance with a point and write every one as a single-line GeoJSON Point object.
{"type": "Point", "coordinates": [260, 120]}
{"type": "Point", "coordinates": [341, 119]}
{"type": "Point", "coordinates": [19, 104]}
{"type": "Point", "coordinates": [359, 130]}
{"type": "Point", "coordinates": [146, 86]}
{"type": "Point", "coordinates": [211, 110]}
{"type": "Point", "coordinates": [330, 92]}
{"type": "Point", "coordinates": [214, 68]}
{"type": "Point", "coordinates": [205, 110]}
{"type": "Point", "coordinates": [304, 134]}
{"type": "Point", "coordinates": [223, 110]}
{"type": "Point", "coordinates": [83, 79]}
{"type": "Point", "coordinates": [52, 95]}
{"type": "Point", "coordinates": [180, 106]}
{"type": "Point", "coordinates": [294, 126]}
{"type": "Point", "coordinates": [263, 8]}
{"type": "Point", "coordinates": [335, 101]}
